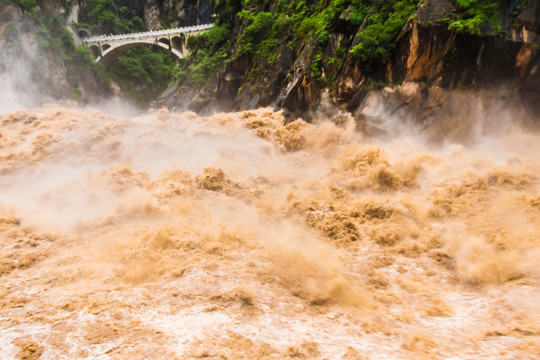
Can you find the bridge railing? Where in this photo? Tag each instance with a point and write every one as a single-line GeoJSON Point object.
{"type": "Point", "coordinates": [152, 33]}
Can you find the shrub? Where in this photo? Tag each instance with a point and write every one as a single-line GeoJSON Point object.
{"type": "Point", "coordinates": [377, 39]}
{"type": "Point", "coordinates": [480, 17]}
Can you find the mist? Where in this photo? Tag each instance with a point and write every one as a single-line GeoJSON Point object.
{"type": "Point", "coordinates": [294, 220]}
{"type": "Point", "coordinates": [407, 229]}
{"type": "Point", "coordinates": [269, 229]}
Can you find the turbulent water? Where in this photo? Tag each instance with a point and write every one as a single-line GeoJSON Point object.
{"type": "Point", "coordinates": [235, 236]}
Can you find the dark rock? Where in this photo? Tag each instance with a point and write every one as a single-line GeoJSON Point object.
{"type": "Point", "coordinates": [530, 16]}
{"type": "Point", "coordinates": [200, 105]}
{"type": "Point", "coordinates": [436, 56]}
{"type": "Point", "coordinates": [231, 81]}
{"type": "Point", "coordinates": [303, 96]}
{"type": "Point", "coordinates": [432, 10]}
{"type": "Point", "coordinates": [426, 54]}
{"type": "Point", "coordinates": [168, 97]}
{"type": "Point", "coordinates": [284, 61]}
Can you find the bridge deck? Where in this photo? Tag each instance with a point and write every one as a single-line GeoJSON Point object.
{"type": "Point", "coordinates": [151, 33]}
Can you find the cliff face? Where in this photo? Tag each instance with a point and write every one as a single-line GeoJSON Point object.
{"type": "Point", "coordinates": [40, 59]}
{"type": "Point", "coordinates": [427, 56]}
{"type": "Point", "coordinates": [436, 58]}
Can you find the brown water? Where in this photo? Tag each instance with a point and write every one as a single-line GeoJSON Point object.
{"type": "Point", "coordinates": [175, 236]}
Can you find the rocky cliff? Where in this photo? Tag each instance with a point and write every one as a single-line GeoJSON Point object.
{"type": "Point", "coordinates": [39, 58]}
{"type": "Point", "coordinates": [439, 52]}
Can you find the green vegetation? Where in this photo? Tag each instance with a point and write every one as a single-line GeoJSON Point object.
{"type": "Point", "coordinates": [259, 33]}
{"type": "Point", "coordinates": [58, 43]}
{"type": "Point", "coordinates": [322, 34]}
{"type": "Point", "coordinates": [384, 23]}
{"type": "Point", "coordinates": [145, 72]}
{"type": "Point", "coordinates": [142, 73]}
{"type": "Point", "coordinates": [208, 53]}
{"type": "Point", "coordinates": [57, 46]}
{"type": "Point", "coordinates": [110, 17]}
{"type": "Point", "coordinates": [480, 17]}
{"type": "Point", "coordinates": [264, 29]}
{"type": "Point", "coordinates": [30, 7]}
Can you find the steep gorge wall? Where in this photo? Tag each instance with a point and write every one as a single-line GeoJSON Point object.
{"type": "Point", "coordinates": [435, 60]}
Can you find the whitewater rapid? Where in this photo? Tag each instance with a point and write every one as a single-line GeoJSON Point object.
{"type": "Point", "coordinates": [238, 236]}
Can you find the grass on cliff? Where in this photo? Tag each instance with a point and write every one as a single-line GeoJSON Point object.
{"type": "Point", "coordinates": [110, 17]}
{"type": "Point", "coordinates": [382, 26]}
{"type": "Point", "coordinates": [57, 42]}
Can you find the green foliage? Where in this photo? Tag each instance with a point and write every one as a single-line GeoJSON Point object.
{"type": "Point", "coordinates": [307, 26]}
{"type": "Point", "coordinates": [210, 40]}
{"type": "Point", "coordinates": [368, 29]}
{"type": "Point", "coordinates": [167, 22]}
{"type": "Point", "coordinates": [316, 72]}
{"type": "Point", "coordinates": [208, 52]}
{"type": "Point", "coordinates": [145, 72]}
{"type": "Point", "coordinates": [480, 17]}
{"type": "Point", "coordinates": [108, 17]}
{"type": "Point", "coordinates": [27, 4]}
{"type": "Point", "coordinates": [519, 8]}
{"type": "Point", "coordinates": [383, 26]}
{"type": "Point", "coordinates": [227, 10]}
{"type": "Point", "coordinates": [259, 35]}
{"type": "Point", "coordinates": [264, 28]}
{"type": "Point", "coordinates": [142, 73]}
{"type": "Point", "coordinates": [30, 7]}
{"type": "Point", "coordinates": [204, 66]}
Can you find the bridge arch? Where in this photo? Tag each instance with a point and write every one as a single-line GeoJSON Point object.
{"type": "Point", "coordinates": [111, 53]}
{"type": "Point", "coordinates": [94, 49]}
{"type": "Point", "coordinates": [178, 43]}
{"type": "Point", "coordinates": [165, 41]}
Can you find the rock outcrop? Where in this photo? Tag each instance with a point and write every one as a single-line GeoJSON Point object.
{"type": "Point", "coordinates": [427, 63]}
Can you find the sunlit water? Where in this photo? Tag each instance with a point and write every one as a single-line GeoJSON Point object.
{"type": "Point", "coordinates": [176, 236]}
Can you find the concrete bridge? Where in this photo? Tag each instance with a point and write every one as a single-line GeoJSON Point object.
{"type": "Point", "coordinates": [107, 48]}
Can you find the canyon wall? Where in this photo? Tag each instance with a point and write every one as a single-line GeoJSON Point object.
{"type": "Point", "coordinates": [427, 66]}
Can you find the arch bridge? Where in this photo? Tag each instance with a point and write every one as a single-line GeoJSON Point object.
{"type": "Point", "coordinates": [106, 49]}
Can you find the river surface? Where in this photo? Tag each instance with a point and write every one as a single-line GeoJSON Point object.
{"type": "Point", "coordinates": [234, 236]}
